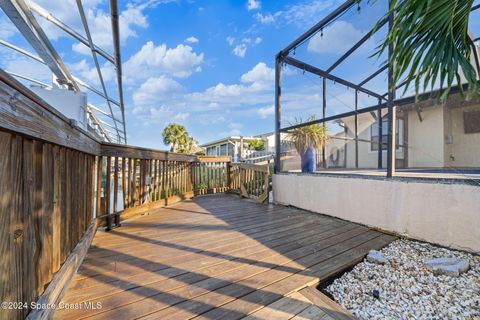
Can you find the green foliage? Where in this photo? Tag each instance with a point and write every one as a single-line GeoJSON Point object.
{"type": "Point", "coordinates": [177, 135]}
{"type": "Point", "coordinates": [314, 135]}
{"type": "Point", "coordinates": [257, 145]}
{"type": "Point", "coordinates": [431, 43]}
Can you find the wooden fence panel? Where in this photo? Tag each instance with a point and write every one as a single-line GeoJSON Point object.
{"type": "Point", "coordinates": [46, 201]}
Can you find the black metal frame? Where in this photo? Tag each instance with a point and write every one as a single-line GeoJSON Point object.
{"type": "Point", "coordinates": [385, 100]}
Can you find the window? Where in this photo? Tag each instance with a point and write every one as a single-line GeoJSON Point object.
{"type": "Point", "coordinates": [471, 121]}
{"type": "Point", "coordinates": [212, 151]}
{"type": "Point", "coordinates": [384, 140]}
{"type": "Point", "coordinates": [223, 150]}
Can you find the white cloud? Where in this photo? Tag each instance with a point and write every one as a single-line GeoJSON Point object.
{"type": "Point", "coordinates": [7, 29]}
{"type": "Point", "coordinates": [260, 74]}
{"type": "Point", "coordinates": [337, 38]}
{"type": "Point", "coordinates": [254, 4]}
{"type": "Point", "coordinates": [235, 129]}
{"type": "Point", "coordinates": [89, 74]}
{"type": "Point", "coordinates": [98, 20]}
{"type": "Point", "coordinates": [308, 12]}
{"type": "Point", "coordinates": [266, 112]}
{"type": "Point", "coordinates": [181, 116]}
{"type": "Point", "coordinates": [192, 40]}
{"type": "Point", "coordinates": [240, 50]}
{"type": "Point", "coordinates": [152, 60]}
{"type": "Point", "coordinates": [301, 14]}
{"type": "Point", "coordinates": [230, 40]}
{"type": "Point", "coordinates": [267, 18]}
{"type": "Point", "coordinates": [162, 98]}
{"type": "Point", "coordinates": [154, 90]}
{"type": "Point", "coordinates": [19, 64]}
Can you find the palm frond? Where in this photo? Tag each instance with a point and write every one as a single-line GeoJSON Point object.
{"type": "Point", "coordinates": [431, 44]}
{"type": "Point", "coordinates": [314, 135]}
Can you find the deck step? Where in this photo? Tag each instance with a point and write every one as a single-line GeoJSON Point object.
{"type": "Point", "coordinates": [326, 304]}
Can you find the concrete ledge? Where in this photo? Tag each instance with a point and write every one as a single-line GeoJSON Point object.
{"type": "Point", "coordinates": [445, 214]}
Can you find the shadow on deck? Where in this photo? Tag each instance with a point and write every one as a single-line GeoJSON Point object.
{"type": "Point", "coordinates": [216, 257]}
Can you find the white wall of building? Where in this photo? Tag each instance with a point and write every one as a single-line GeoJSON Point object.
{"type": "Point", "coordinates": [426, 139]}
{"type": "Point", "coordinates": [462, 150]}
{"type": "Point", "coordinates": [445, 214]}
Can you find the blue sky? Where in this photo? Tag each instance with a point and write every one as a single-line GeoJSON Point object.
{"type": "Point", "coordinates": [209, 64]}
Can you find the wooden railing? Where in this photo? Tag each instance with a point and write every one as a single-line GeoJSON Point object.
{"type": "Point", "coordinates": [133, 180]}
{"type": "Point", "coordinates": [58, 184]}
{"type": "Point", "coordinates": [47, 194]}
{"type": "Point", "coordinates": [211, 175]}
{"type": "Point", "coordinates": [251, 181]}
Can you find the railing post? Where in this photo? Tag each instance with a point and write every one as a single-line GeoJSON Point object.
{"type": "Point", "coordinates": [133, 182]}
{"type": "Point", "coordinates": [115, 194]}
{"type": "Point", "coordinates": [229, 176]}
{"type": "Point", "coordinates": [107, 195]}
{"type": "Point", "coordinates": [99, 187]}
{"type": "Point", "coordinates": [142, 182]}
{"type": "Point", "coordinates": [190, 178]}
{"type": "Point", "coordinates": [267, 184]}
{"type": "Point", "coordinates": [124, 179]}
{"type": "Point", "coordinates": [167, 180]}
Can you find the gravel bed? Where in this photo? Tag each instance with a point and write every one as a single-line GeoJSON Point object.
{"type": "Point", "coordinates": [407, 288]}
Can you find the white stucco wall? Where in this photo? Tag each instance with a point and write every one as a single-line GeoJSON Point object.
{"type": "Point", "coordinates": [426, 139]}
{"type": "Point", "coordinates": [445, 214]}
{"type": "Point", "coordinates": [462, 150]}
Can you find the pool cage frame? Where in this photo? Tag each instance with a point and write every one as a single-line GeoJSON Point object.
{"type": "Point", "coordinates": [385, 100]}
{"type": "Point", "coordinates": [21, 13]}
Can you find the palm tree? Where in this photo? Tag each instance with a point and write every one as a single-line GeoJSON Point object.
{"type": "Point", "coordinates": [431, 44]}
{"type": "Point", "coordinates": [176, 135]}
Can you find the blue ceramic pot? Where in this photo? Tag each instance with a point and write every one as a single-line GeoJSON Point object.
{"type": "Point", "coordinates": [309, 163]}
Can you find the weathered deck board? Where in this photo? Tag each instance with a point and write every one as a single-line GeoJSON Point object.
{"type": "Point", "coordinates": [216, 257]}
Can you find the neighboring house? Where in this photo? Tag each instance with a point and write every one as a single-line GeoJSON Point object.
{"type": "Point", "coordinates": [237, 147]}
{"type": "Point", "coordinates": [429, 135]}
{"type": "Point", "coordinates": [234, 146]}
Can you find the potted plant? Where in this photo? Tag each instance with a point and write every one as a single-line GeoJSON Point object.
{"type": "Point", "coordinates": [307, 141]}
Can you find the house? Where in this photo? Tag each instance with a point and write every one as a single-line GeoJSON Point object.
{"type": "Point", "coordinates": [429, 135]}
{"type": "Point", "coordinates": [238, 146]}
{"type": "Point", "coordinates": [234, 146]}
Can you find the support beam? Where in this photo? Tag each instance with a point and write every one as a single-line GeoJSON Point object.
{"type": "Point", "coordinates": [334, 117]}
{"type": "Point", "coordinates": [380, 134]}
{"type": "Point", "coordinates": [324, 114]}
{"type": "Point", "coordinates": [118, 60]}
{"type": "Point", "coordinates": [357, 45]}
{"type": "Point", "coordinates": [16, 75]}
{"type": "Point", "coordinates": [419, 113]}
{"type": "Point", "coordinates": [391, 148]}
{"type": "Point", "coordinates": [322, 73]}
{"type": "Point", "coordinates": [278, 93]}
{"type": "Point", "coordinates": [50, 17]}
{"type": "Point", "coordinates": [356, 129]}
{"type": "Point", "coordinates": [97, 92]}
{"type": "Point", "coordinates": [95, 59]}
{"type": "Point", "coordinates": [38, 59]}
{"type": "Point", "coordinates": [19, 13]}
{"type": "Point", "coordinates": [373, 75]}
{"type": "Point", "coordinates": [334, 14]}
{"type": "Point", "coordinates": [22, 51]}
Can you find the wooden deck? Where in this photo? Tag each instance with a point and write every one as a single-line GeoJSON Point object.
{"type": "Point", "coordinates": [217, 257]}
